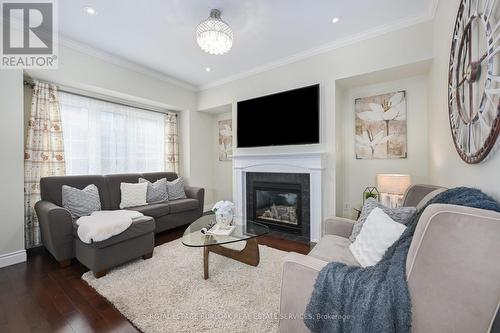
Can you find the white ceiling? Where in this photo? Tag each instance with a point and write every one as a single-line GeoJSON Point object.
{"type": "Point", "coordinates": [159, 35]}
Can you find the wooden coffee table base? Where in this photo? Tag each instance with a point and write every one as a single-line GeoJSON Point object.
{"type": "Point", "coordinates": [249, 255]}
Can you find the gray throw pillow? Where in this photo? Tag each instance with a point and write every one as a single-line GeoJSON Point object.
{"type": "Point", "coordinates": [157, 191]}
{"type": "Point", "coordinates": [81, 202]}
{"type": "Point", "coordinates": [401, 215]}
{"type": "Point", "coordinates": [176, 189]}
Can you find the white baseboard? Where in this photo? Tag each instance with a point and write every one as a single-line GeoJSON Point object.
{"type": "Point", "coordinates": [12, 258]}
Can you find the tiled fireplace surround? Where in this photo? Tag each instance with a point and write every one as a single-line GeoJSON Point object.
{"type": "Point", "coordinates": [312, 164]}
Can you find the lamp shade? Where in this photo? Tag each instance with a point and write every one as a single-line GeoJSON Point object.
{"type": "Point", "coordinates": [392, 183]}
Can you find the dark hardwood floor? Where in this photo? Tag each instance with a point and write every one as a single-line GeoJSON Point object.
{"type": "Point", "coordinates": [38, 296]}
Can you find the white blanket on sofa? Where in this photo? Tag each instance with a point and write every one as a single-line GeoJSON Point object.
{"type": "Point", "coordinates": [104, 224]}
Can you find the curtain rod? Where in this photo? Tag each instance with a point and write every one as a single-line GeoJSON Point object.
{"type": "Point", "coordinates": [102, 99]}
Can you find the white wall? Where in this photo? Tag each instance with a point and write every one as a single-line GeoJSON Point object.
{"type": "Point", "coordinates": [223, 170]}
{"type": "Point", "coordinates": [217, 175]}
{"type": "Point", "coordinates": [12, 167]}
{"type": "Point", "coordinates": [356, 174]}
{"type": "Point", "coordinates": [405, 46]}
{"type": "Point", "coordinates": [340, 182]}
{"type": "Point", "coordinates": [201, 149]}
{"type": "Point", "coordinates": [446, 167]}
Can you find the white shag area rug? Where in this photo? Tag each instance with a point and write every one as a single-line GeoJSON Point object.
{"type": "Point", "coordinates": [167, 293]}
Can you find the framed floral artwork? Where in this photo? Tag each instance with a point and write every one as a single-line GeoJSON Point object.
{"type": "Point", "coordinates": [380, 126]}
{"type": "Point", "coordinates": [225, 140]}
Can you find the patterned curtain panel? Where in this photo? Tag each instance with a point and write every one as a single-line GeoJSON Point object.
{"type": "Point", "coordinates": [171, 143]}
{"type": "Point", "coordinates": [43, 154]}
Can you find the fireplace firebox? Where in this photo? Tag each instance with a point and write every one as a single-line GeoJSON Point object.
{"type": "Point", "coordinates": [278, 204]}
{"type": "Point", "coordinates": [281, 201]}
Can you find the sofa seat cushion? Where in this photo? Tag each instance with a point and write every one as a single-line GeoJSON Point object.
{"type": "Point", "coordinates": [140, 226]}
{"type": "Point", "coordinates": [183, 205]}
{"type": "Point", "coordinates": [334, 248]}
{"type": "Point", "coordinates": [154, 210]}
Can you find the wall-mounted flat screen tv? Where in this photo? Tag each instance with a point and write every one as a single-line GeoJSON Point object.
{"type": "Point", "coordinates": [286, 118]}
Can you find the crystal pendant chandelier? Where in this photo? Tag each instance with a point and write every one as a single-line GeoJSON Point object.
{"type": "Point", "coordinates": [213, 35]}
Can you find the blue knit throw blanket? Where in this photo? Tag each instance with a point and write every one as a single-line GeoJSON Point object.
{"type": "Point", "coordinates": [376, 299]}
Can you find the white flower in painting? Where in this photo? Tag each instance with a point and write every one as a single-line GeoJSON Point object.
{"type": "Point", "coordinates": [225, 131]}
{"type": "Point", "coordinates": [370, 141]}
{"type": "Point", "coordinates": [388, 110]}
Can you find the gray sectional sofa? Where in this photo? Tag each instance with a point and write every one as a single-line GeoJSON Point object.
{"type": "Point", "coordinates": [58, 230]}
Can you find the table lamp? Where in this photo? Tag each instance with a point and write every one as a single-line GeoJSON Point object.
{"type": "Point", "coordinates": [391, 188]}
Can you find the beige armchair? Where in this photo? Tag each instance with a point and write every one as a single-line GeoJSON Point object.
{"type": "Point", "coordinates": [453, 268]}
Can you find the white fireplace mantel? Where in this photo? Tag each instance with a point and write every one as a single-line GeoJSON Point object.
{"type": "Point", "coordinates": [312, 163]}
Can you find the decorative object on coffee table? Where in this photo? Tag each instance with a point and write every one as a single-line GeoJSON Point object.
{"type": "Point", "coordinates": [249, 255]}
{"type": "Point", "coordinates": [224, 212]}
{"type": "Point", "coordinates": [380, 126]}
{"type": "Point", "coordinates": [392, 187]}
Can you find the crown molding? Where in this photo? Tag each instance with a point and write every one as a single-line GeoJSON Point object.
{"type": "Point", "coordinates": [352, 39]}
{"type": "Point", "coordinates": [127, 64]}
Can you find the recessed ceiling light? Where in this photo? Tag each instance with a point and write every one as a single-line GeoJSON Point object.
{"type": "Point", "coordinates": [89, 10]}
{"type": "Point", "coordinates": [335, 20]}
{"type": "Point", "coordinates": [208, 69]}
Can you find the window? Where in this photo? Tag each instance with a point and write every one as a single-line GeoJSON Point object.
{"type": "Point", "coordinates": [103, 137]}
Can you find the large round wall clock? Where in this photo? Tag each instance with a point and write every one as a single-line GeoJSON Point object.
{"type": "Point", "coordinates": [474, 79]}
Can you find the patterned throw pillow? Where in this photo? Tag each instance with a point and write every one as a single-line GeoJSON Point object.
{"type": "Point", "coordinates": [157, 191]}
{"type": "Point", "coordinates": [81, 202]}
{"type": "Point", "coordinates": [401, 215]}
{"type": "Point", "coordinates": [133, 194]}
{"type": "Point", "coordinates": [176, 189]}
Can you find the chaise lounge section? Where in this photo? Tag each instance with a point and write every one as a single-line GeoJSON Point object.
{"type": "Point", "coordinates": [58, 230]}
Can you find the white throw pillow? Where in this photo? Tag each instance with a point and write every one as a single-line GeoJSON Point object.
{"type": "Point", "coordinates": [379, 232]}
{"type": "Point", "coordinates": [133, 194]}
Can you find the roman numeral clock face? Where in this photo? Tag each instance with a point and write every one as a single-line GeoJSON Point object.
{"type": "Point", "coordinates": [474, 79]}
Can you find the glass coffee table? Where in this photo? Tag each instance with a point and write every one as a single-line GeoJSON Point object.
{"type": "Point", "coordinates": [193, 237]}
